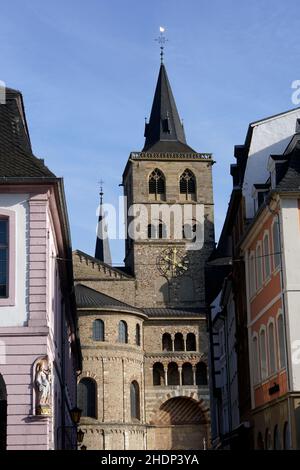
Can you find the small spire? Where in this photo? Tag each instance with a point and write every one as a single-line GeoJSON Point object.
{"type": "Point", "coordinates": [102, 250]}
{"type": "Point", "coordinates": [161, 41]}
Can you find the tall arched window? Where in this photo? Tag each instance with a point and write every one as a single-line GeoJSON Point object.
{"type": "Point", "coordinates": [187, 374]}
{"type": "Point", "coordinates": [281, 341]}
{"type": "Point", "coordinates": [276, 438]}
{"type": "Point", "coordinates": [167, 342]}
{"type": "Point", "coordinates": [286, 436]}
{"type": "Point", "coordinates": [179, 342]}
{"type": "Point", "coordinates": [263, 355]}
{"type": "Point", "coordinates": [255, 356]}
{"type": "Point", "coordinates": [152, 232]}
{"type": "Point", "coordinates": [158, 374]}
{"type": "Point", "coordinates": [135, 401]}
{"type": "Point", "coordinates": [137, 334]}
{"type": "Point", "coordinates": [187, 185]}
{"type": "Point", "coordinates": [87, 397]}
{"type": "Point", "coordinates": [98, 330]}
{"type": "Point", "coordinates": [191, 342]}
{"type": "Point", "coordinates": [260, 442]}
{"type": "Point", "coordinates": [267, 260]}
{"type": "Point", "coordinates": [173, 374]}
{"type": "Point", "coordinates": [123, 332]}
{"type": "Point", "coordinates": [272, 349]}
{"type": "Point", "coordinates": [276, 244]}
{"type": "Point", "coordinates": [157, 184]}
{"type": "Point", "coordinates": [201, 374]}
{"type": "Point", "coordinates": [162, 230]}
{"type": "Point", "coordinates": [252, 274]}
{"type": "Point", "coordinates": [268, 439]}
{"type": "Point", "coordinates": [258, 267]}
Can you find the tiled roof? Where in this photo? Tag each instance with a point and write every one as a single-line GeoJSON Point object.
{"type": "Point", "coordinates": [90, 298]}
{"type": "Point", "coordinates": [16, 157]}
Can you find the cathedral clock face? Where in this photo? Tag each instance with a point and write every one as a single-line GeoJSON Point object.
{"type": "Point", "coordinates": [172, 262]}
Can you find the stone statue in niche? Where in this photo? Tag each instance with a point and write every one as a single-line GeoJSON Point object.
{"type": "Point", "coordinates": [43, 387]}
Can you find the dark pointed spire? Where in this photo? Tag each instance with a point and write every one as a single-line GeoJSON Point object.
{"type": "Point", "coordinates": [102, 251]}
{"type": "Point", "coordinates": [164, 132]}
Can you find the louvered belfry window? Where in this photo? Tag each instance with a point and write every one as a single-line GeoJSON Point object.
{"type": "Point", "coordinates": [157, 185]}
{"type": "Point", "coordinates": [187, 184]}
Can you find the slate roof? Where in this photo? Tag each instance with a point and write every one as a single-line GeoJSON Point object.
{"type": "Point", "coordinates": [290, 170]}
{"type": "Point", "coordinates": [173, 312]}
{"type": "Point", "coordinates": [16, 157]}
{"type": "Point", "coordinates": [164, 132]}
{"type": "Point", "coordinates": [90, 298]}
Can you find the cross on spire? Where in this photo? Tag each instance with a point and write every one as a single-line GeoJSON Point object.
{"type": "Point", "coordinates": [101, 183]}
{"type": "Point", "coordinates": [161, 41]}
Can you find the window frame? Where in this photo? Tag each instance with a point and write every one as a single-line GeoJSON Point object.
{"type": "Point", "coordinates": [280, 365]}
{"type": "Point", "coordinates": [263, 376]}
{"type": "Point", "coordinates": [276, 266]}
{"type": "Point", "coordinates": [272, 322]}
{"type": "Point", "coordinates": [267, 256]}
{"type": "Point", "coordinates": [10, 216]}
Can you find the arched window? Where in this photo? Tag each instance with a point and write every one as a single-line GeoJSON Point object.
{"type": "Point", "coordinates": [255, 355]}
{"type": "Point", "coordinates": [276, 244]}
{"type": "Point", "coordinates": [258, 267]}
{"type": "Point", "coordinates": [189, 231]}
{"type": "Point", "coordinates": [173, 374]}
{"type": "Point", "coordinates": [3, 414]}
{"type": "Point", "coordinates": [286, 436]}
{"type": "Point", "coordinates": [276, 438]}
{"type": "Point", "coordinates": [252, 275]}
{"type": "Point", "coordinates": [157, 184]}
{"type": "Point", "coordinates": [191, 342]}
{"type": "Point", "coordinates": [162, 230]}
{"type": "Point", "coordinates": [135, 401]}
{"type": "Point", "coordinates": [281, 341]}
{"type": "Point", "coordinates": [187, 374]}
{"type": "Point", "coordinates": [137, 334]}
{"type": "Point", "coordinates": [87, 397]}
{"type": "Point", "coordinates": [260, 442]}
{"type": "Point", "coordinates": [179, 342]}
{"type": "Point", "coordinates": [158, 374]}
{"type": "Point", "coordinates": [187, 185]}
{"type": "Point", "coordinates": [201, 374]}
{"type": "Point", "coordinates": [263, 355]}
{"type": "Point", "coordinates": [123, 333]}
{"type": "Point", "coordinates": [272, 350]}
{"type": "Point", "coordinates": [98, 330]}
{"type": "Point", "coordinates": [152, 233]}
{"type": "Point", "coordinates": [268, 440]}
{"type": "Point", "coordinates": [166, 342]}
{"type": "Point", "coordinates": [267, 260]}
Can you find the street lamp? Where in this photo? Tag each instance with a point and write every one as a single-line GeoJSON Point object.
{"type": "Point", "coordinates": [76, 415]}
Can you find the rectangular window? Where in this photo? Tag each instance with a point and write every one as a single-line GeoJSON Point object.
{"type": "Point", "coordinates": [4, 258]}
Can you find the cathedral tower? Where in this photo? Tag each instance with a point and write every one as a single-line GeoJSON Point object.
{"type": "Point", "coordinates": [143, 326]}
{"type": "Point", "coordinates": [169, 186]}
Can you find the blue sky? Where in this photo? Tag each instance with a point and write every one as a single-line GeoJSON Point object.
{"type": "Point", "coordinates": [88, 69]}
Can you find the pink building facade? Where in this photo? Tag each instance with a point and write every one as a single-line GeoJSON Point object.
{"type": "Point", "coordinates": [39, 348]}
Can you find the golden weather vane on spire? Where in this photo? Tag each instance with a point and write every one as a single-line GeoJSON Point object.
{"type": "Point", "coordinates": [162, 41]}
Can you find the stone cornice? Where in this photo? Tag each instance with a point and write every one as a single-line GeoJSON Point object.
{"type": "Point", "coordinates": [171, 156]}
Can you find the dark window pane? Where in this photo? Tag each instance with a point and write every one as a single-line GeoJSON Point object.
{"type": "Point", "coordinates": [98, 330]}
{"type": "Point", "coordinates": [3, 271]}
{"type": "Point", "coordinates": [87, 397]}
{"type": "Point", "coordinates": [3, 231]}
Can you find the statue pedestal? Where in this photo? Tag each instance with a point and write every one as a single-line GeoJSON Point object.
{"type": "Point", "coordinates": [43, 410]}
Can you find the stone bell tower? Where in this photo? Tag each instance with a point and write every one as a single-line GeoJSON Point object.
{"type": "Point", "coordinates": [165, 257]}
